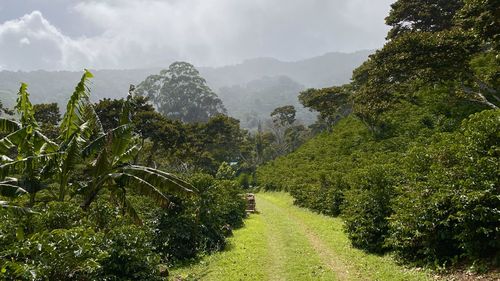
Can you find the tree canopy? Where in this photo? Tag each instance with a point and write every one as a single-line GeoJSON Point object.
{"type": "Point", "coordinates": [180, 93]}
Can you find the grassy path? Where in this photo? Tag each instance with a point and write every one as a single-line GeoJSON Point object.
{"type": "Point", "coordinates": [284, 242]}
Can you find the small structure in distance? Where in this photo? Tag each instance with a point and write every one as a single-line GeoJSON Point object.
{"type": "Point", "coordinates": [250, 197]}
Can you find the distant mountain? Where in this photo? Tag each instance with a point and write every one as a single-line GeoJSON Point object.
{"type": "Point", "coordinates": [254, 101]}
{"type": "Point", "coordinates": [323, 71]}
{"type": "Point", "coordinates": [57, 86]}
{"type": "Point", "coordinates": [250, 90]}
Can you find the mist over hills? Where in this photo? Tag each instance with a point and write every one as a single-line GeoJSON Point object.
{"type": "Point", "coordinates": [250, 90]}
{"type": "Point", "coordinates": [322, 71]}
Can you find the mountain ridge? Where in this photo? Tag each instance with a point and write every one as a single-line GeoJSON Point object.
{"type": "Point", "coordinates": [252, 78]}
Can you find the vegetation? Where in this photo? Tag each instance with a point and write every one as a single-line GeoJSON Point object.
{"type": "Point", "coordinates": [413, 167]}
{"type": "Point", "coordinates": [179, 92]}
{"type": "Point", "coordinates": [284, 242]}
{"type": "Point", "coordinates": [79, 204]}
{"type": "Point", "coordinates": [406, 155]}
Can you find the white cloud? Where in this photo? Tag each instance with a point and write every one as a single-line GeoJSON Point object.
{"type": "Point", "coordinates": [31, 42]}
{"type": "Point", "coordinates": [140, 33]}
{"type": "Point", "coordinates": [24, 41]}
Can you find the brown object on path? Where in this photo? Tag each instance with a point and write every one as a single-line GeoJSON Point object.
{"type": "Point", "coordinates": [250, 197]}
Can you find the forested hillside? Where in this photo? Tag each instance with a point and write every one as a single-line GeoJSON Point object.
{"type": "Point", "coordinates": [254, 76]}
{"type": "Point", "coordinates": [413, 164]}
{"type": "Point", "coordinates": [146, 174]}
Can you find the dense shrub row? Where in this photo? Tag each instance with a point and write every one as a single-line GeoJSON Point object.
{"type": "Point", "coordinates": [58, 241]}
{"type": "Point", "coordinates": [426, 186]}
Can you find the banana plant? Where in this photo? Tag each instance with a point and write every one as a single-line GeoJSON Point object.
{"type": "Point", "coordinates": [113, 169]}
{"type": "Point", "coordinates": [32, 148]}
{"type": "Point", "coordinates": [110, 156]}
{"type": "Point", "coordinates": [79, 125]}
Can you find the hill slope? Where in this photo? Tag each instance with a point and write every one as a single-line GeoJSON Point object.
{"type": "Point", "coordinates": [264, 83]}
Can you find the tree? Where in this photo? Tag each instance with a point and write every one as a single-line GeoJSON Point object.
{"type": "Point", "coordinates": [425, 15]}
{"type": "Point", "coordinates": [48, 115]}
{"type": "Point", "coordinates": [109, 110]}
{"type": "Point", "coordinates": [82, 142]}
{"type": "Point", "coordinates": [179, 92]}
{"type": "Point", "coordinates": [287, 136]}
{"type": "Point", "coordinates": [30, 147]}
{"type": "Point", "coordinates": [331, 103]}
{"type": "Point", "coordinates": [209, 144]}
{"type": "Point", "coordinates": [417, 59]}
{"type": "Point", "coordinates": [284, 116]}
{"type": "Point", "coordinates": [482, 17]}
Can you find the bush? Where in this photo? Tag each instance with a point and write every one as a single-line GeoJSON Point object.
{"type": "Point", "coordinates": [129, 255]}
{"type": "Point", "coordinates": [325, 197]}
{"type": "Point", "coordinates": [60, 254]}
{"type": "Point", "coordinates": [200, 225]}
{"type": "Point", "coordinates": [80, 253]}
{"type": "Point", "coordinates": [367, 206]}
{"type": "Point", "coordinates": [57, 215]}
{"type": "Point", "coordinates": [449, 208]}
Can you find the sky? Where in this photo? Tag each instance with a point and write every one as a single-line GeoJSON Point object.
{"type": "Point", "coordinates": [119, 34]}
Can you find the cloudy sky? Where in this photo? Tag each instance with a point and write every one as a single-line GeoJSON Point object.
{"type": "Point", "coordinates": [71, 34]}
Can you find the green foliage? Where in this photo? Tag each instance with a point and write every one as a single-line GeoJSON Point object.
{"type": "Point", "coordinates": [225, 172]}
{"type": "Point", "coordinates": [332, 103]}
{"type": "Point", "coordinates": [367, 206]}
{"type": "Point", "coordinates": [129, 255]}
{"type": "Point", "coordinates": [60, 235]}
{"type": "Point", "coordinates": [449, 206]}
{"type": "Point", "coordinates": [191, 227]}
{"type": "Point", "coordinates": [382, 184]}
{"type": "Point", "coordinates": [429, 15]}
{"type": "Point", "coordinates": [482, 18]}
{"type": "Point", "coordinates": [48, 115]}
{"type": "Point", "coordinates": [58, 215]}
{"type": "Point", "coordinates": [180, 93]}
{"type": "Point", "coordinates": [60, 254]}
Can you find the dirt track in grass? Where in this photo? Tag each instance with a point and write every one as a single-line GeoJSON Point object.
{"type": "Point", "coordinates": [284, 242]}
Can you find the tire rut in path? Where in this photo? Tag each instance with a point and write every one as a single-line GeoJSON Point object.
{"type": "Point", "coordinates": [327, 256]}
{"type": "Point", "coordinates": [275, 269]}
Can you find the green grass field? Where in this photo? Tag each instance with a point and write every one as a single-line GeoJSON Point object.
{"type": "Point", "coordinates": [284, 242]}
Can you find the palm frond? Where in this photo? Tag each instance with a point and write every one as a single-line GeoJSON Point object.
{"type": "Point", "coordinates": [72, 153]}
{"type": "Point", "coordinates": [25, 108]}
{"type": "Point", "coordinates": [43, 144]}
{"type": "Point", "coordinates": [145, 188]}
{"type": "Point", "coordinates": [76, 107]}
{"type": "Point", "coordinates": [128, 155]}
{"type": "Point", "coordinates": [5, 168]}
{"type": "Point", "coordinates": [17, 210]}
{"type": "Point", "coordinates": [9, 126]}
{"type": "Point", "coordinates": [9, 189]}
{"type": "Point", "coordinates": [166, 182]}
{"type": "Point", "coordinates": [98, 143]}
{"type": "Point", "coordinates": [6, 145]}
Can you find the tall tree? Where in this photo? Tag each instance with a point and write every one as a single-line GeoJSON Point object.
{"type": "Point", "coordinates": [284, 115]}
{"type": "Point", "coordinates": [331, 103]}
{"type": "Point", "coordinates": [179, 92]}
{"type": "Point", "coordinates": [424, 15]}
{"type": "Point", "coordinates": [432, 43]}
{"type": "Point", "coordinates": [482, 17]}
{"type": "Point", "coordinates": [48, 116]}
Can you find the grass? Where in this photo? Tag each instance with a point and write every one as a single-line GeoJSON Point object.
{"type": "Point", "coordinates": [284, 242]}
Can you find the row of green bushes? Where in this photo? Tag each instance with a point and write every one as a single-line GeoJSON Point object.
{"type": "Point", "coordinates": [59, 241]}
{"type": "Point", "coordinates": [426, 186]}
